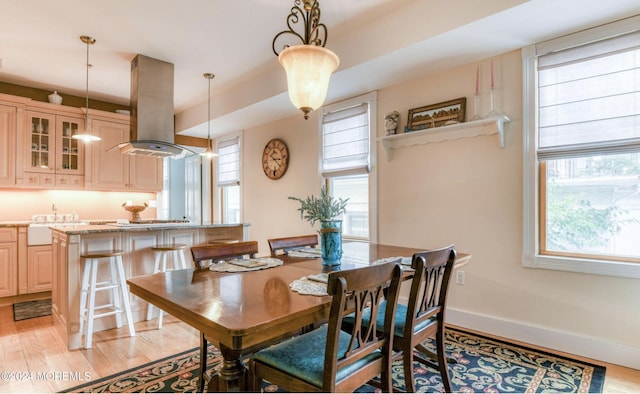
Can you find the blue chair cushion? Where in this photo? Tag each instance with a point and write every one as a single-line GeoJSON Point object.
{"type": "Point", "coordinates": [400, 320]}
{"type": "Point", "coordinates": [303, 356]}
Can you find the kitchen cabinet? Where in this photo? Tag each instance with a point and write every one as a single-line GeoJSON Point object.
{"type": "Point", "coordinates": [111, 170]}
{"type": "Point", "coordinates": [8, 261]}
{"type": "Point", "coordinates": [39, 268]}
{"type": "Point", "coordinates": [52, 157]}
{"type": "Point", "coordinates": [8, 127]}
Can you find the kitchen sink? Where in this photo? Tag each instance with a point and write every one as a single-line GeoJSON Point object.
{"type": "Point", "coordinates": [40, 233]}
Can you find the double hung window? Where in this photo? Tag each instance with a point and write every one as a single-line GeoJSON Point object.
{"type": "Point", "coordinates": [347, 160]}
{"type": "Point", "coordinates": [582, 151]}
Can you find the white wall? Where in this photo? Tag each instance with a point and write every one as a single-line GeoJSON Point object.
{"type": "Point", "coordinates": [467, 192]}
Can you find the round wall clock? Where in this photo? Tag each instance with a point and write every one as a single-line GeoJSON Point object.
{"type": "Point", "coordinates": [275, 158]}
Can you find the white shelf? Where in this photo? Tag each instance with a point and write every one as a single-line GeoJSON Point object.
{"type": "Point", "coordinates": [488, 126]}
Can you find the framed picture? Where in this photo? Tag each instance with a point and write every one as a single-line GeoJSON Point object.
{"type": "Point", "coordinates": [436, 115]}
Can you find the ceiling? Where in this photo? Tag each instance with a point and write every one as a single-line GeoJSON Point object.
{"type": "Point", "coordinates": [379, 42]}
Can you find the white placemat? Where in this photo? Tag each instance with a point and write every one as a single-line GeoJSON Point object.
{"type": "Point", "coordinates": [243, 265]}
{"type": "Point", "coordinates": [405, 260]}
{"type": "Point", "coordinates": [307, 286]}
{"type": "Point", "coordinates": [305, 252]}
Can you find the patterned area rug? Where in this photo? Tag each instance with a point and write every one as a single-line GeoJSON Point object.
{"type": "Point", "coordinates": [483, 365]}
{"type": "Point", "coordinates": [30, 309]}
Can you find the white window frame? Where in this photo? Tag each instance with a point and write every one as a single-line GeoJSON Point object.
{"type": "Point", "coordinates": [218, 196]}
{"type": "Point", "coordinates": [531, 257]}
{"type": "Point", "coordinates": [371, 98]}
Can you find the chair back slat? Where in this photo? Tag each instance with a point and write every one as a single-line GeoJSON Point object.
{"type": "Point", "coordinates": [291, 243]}
{"type": "Point", "coordinates": [218, 252]}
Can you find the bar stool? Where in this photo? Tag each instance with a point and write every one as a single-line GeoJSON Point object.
{"type": "Point", "coordinates": [118, 292]}
{"type": "Point", "coordinates": [162, 252]}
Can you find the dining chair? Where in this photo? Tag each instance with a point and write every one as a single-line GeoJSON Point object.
{"type": "Point", "coordinates": [291, 243]}
{"type": "Point", "coordinates": [215, 253]}
{"type": "Point", "coordinates": [423, 316]}
{"type": "Point", "coordinates": [222, 251]}
{"type": "Point", "coordinates": [328, 359]}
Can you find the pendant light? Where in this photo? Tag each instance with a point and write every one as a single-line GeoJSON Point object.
{"type": "Point", "coordinates": [209, 153]}
{"type": "Point", "coordinates": [87, 136]}
{"type": "Point", "coordinates": [308, 66]}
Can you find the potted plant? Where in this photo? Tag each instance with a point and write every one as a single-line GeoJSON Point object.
{"type": "Point", "coordinates": [327, 210]}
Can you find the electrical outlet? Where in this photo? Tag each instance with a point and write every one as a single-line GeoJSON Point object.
{"type": "Point", "coordinates": [460, 277]}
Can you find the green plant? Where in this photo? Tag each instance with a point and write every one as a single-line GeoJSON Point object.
{"type": "Point", "coordinates": [322, 208]}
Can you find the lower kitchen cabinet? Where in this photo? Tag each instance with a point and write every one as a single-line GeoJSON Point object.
{"type": "Point", "coordinates": [39, 268]}
{"type": "Point", "coordinates": [8, 262]}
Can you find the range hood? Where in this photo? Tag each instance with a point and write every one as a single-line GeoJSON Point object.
{"type": "Point", "coordinates": [152, 123]}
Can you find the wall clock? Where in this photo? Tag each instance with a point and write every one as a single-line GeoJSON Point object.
{"type": "Point", "coordinates": [275, 159]}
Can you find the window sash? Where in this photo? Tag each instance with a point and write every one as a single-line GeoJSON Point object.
{"type": "Point", "coordinates": [533, 181]}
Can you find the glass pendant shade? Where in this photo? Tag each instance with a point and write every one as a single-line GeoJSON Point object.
{"type": "Point", "coordinates": [308, 69]}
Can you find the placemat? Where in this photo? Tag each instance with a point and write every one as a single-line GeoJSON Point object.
{"type": "Point", "coordinates": [307, 286]}
{"type": "Point", "coordinates": [405, 260]}
{"type": "Point", "coordinates": [305, 252]}
{"type": "Point", "coordinates": [243, 265]}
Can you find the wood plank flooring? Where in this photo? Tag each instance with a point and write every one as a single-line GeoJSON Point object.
{"type": "Point", "coordinates": [33, 357]}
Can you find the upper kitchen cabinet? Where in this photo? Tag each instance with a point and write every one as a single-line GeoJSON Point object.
{"type": "Point", "coordinates": [7, 145]}
{"type": "Point", "coordinates": [108, 169]}
{"type": "Point", "coordinates": [52, 157]}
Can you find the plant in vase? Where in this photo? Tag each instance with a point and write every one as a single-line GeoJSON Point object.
{"type": "Point", "coordinates": [327, 210]}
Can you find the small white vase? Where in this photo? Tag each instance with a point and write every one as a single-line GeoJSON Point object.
{"type": "Point", "coordinates": [55, 98]}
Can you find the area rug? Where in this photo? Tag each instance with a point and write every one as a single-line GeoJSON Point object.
{"type": "Point", "coordinates": [482, 365]}
{"type": "Point", "coordinates": [30, 309]}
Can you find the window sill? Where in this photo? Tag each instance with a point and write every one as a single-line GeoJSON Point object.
{"type": "Point", "coordinates": [585, 266]}
{"type": "Point", "coordinates": [474, 128]}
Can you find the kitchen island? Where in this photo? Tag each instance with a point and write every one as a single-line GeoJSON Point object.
{"type": "Point", "coordinates": [69, 242]}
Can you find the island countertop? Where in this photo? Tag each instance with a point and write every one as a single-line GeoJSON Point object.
{"type": "Point", "coordinates": [82, 229]}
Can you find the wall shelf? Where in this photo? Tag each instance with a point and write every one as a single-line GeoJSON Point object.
{"type": "Point", "coordinates": [488, 126]}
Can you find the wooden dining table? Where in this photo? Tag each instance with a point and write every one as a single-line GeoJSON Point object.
{"type": "Point", "coordinates": [241, 312]}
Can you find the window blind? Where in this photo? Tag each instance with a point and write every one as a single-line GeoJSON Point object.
{"type": "Point", "coordinates": [229, 162]}
{"type": "Point", "coordinates": [589, 99]}
{"type": "Point", "coordinates": [345, 147]}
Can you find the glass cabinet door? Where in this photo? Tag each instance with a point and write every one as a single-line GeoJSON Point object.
{"type": "Point", "coordinates": [70, 149]}
{"type": "Point", "coordinates": [42, 142]}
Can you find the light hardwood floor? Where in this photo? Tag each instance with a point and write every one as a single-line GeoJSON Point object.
{"type": "Point", "coordinates": [34, 349]}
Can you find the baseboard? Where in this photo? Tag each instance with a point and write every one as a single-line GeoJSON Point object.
{"type": "Point", "coordinates": [594, 348]}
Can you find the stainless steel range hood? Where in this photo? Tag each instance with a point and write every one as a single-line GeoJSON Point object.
{"type": "Point", "coordinates": [152, 123]}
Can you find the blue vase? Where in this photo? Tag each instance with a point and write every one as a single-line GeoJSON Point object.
{"type": "Point", "coordinates": [331, 242]}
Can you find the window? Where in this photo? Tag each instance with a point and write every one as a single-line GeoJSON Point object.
{"type": "Point", "coordinates": [228, 179]}
{"type": "Point", "coordinates": [347, 153]}
{"type": "Point", "coordinates": [582, 151]}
